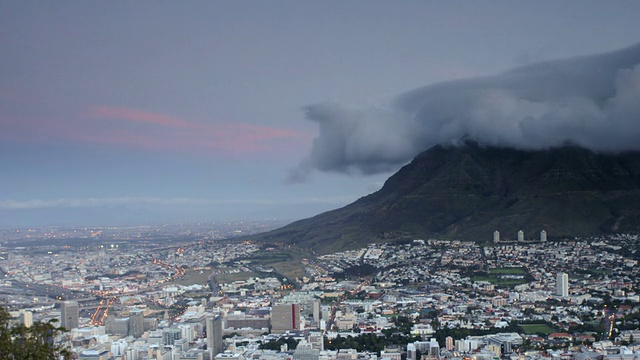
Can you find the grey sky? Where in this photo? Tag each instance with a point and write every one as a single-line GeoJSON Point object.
{"type": "Point", "coordinates": [202, 103]}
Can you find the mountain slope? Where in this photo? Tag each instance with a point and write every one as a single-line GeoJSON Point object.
{"type": "Point", "coordinates": [467, 192]}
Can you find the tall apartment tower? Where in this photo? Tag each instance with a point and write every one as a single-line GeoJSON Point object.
{"type": "Point", "coordinates": [317, 311]}
{"type": "Point", "coordinates": [449, 343]}
{"type": "Point", "coordinates": [562, 284]}
{"type": "Point", "coordinates": [136, 323]}
{"type": "Point", "coordinates": [26, 318]}
{"type": "Point", "coordinates": [496, 236]}
{"type": "Point", "coordinates": [543, 236]}
{"type": "Point", "coordinates": [285, 317]}
{"type": "Point", "coordinates": [69, 313]}
{"type": "Point", "coordinates": [213, 324]}
{"type": "Point", "coordinates": [520, 236]}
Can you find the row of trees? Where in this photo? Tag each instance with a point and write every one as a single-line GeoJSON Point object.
{"type": "Point", "coordinates": [399, 334]}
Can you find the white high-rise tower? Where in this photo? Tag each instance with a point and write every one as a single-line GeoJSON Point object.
{"type": "Point", "coordinates": [562, 284]}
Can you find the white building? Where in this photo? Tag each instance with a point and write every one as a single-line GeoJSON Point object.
{"type": "Point", "coordinates": [26, 318]}
{"type": "Point", "coordinates": [562, 284]}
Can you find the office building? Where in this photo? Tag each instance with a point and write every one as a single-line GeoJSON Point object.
{"type": "Point", "coordinates": [69, 313]}
{"type": "Point", "coordinates": [136, 323]}
{"type": "Point", "coordinates": [169, 336]}
{"type": "Point", "coordinates": [240, 321]}
{"type": "Point", "coordinates": [412, 352]}
{"type": "Point", "coordinates": [317, 311]}
{"type": "Point", "coordinates": [213, 327]}
{"type": "Point", "coordinates": [305, 351]}
{"type": "Point", "coordinates": [317, 340]}
{"type": "Point", "coordinates": [285, 318]}
{"type": "Point", "coordinates": [117, 325]}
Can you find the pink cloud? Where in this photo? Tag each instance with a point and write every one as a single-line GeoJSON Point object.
{"type": "Point", "coordinates": [137, 116]}
{"type": "Point", "coordinates": [228, 140]}
{"type": "Point", "coordinates": [159, 132]}
{"type": "Point", "coordinates": [172, 133]}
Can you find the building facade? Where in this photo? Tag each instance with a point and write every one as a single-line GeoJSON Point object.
{"type": "Point", "coordinates": [69, 313]}
{"type": "Point", "coordinates": [562, 284]}
{"type": "Point", "coordinates": [214, 334]}
{"type": "Point", "coordinates": [285, 317]}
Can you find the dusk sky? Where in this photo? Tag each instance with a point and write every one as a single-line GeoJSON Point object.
{"type": "Point", "coordinates": [118, 112]}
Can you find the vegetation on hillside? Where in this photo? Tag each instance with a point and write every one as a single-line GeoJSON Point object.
{"type": "Point", "coordinates": [467, 192]}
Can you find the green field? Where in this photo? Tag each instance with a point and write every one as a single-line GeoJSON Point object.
{"type": "Point", "coordinates": [500, 282]}
{"type": "Point", "coordinates": [531, 329]}
{"type": "Point", "coordinates": [508, 271]}
{"type": "Point", "coordinates": [496, 276]}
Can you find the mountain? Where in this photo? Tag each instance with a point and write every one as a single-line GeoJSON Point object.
{"type": "Point", "coordinates": [467, 192]}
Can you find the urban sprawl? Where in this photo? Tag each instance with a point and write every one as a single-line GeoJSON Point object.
{"type": "Point", "coordinates": [183, 292]}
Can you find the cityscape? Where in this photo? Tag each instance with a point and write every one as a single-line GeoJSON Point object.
{"type": "Point", "coordinates": [207, 295]}
{"type": "Point", "coordinates": [320, 180]}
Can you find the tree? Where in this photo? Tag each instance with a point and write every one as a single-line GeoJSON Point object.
{"type": "Point", "coordinates": [18, 342]}
{"type": "Point", "coordinates": [275, 345]}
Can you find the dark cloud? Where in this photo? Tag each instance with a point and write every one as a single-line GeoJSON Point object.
{"type": "Point", "coordinates": [592, 101]}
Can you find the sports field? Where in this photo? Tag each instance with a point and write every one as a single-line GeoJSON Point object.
{"type": "Point", "coordinates": [531, 329]}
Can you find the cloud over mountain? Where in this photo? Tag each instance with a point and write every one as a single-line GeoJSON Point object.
{"type": "Point", "coordinates": [591, 101]}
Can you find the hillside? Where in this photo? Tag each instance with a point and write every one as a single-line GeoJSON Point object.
{"type": "Point", "coordinates": [467, 192]}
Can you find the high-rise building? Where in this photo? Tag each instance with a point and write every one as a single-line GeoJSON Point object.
{"type": "Point", "coordinates": [543, 236]}
{"type": "Point", "coordinates": [69, 313]}
{"type": "Point", "coordinates": [213, 324]}
{"type": "Point", "coordinates": [520, 235]}
{"type": "Point", "coordinates": [496, 236]}
{"type": "Point", "coordinates": [285, 317]}
{"type": "Point", "coordinates": [461, 346]}
{"type": "Point", "coordinates": [449, 343]}
{"type": "Point", "coordinates": [169, 336]}
{"type": "Point", "coordinates": [562, 284]}
{"type": "Point", "coordinates": [114, 325]}
{"type": "Point", "coordinates": [411, 351]}
{"type": "Point", "coordinates": [317, 311]}
{"type": "Point", "coordinates": [26, 318]}
{"type": "Point", "coordinates": [136, 323]}
{"type": "Point", "coordinates": [434, 348]}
